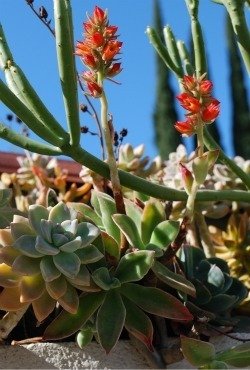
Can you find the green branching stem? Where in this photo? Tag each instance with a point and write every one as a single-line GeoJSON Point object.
{"type": "Point", "coordinates": [26, 143]}
{"type": "Point", "coordinates": [199, 45]}
{"type": "Point", "coordinates": [188, 68]}
{"type": "Point", "coordinates": [235, 10]}
{"type": "Point", "coordinates": [20, 109]}
{"type": "Point", "coordinates": [66, 66]}
{"type": "Point", "coordinates": [20, 86]}
{"type": "Point", "coordinates": [155, 40]}
{"type": "Point", "coordinates": [211, 144]}
{"type": "Point", "coordinates": [206, 241]}
{"type": "Point", "coordinates": [172, 47]}
{"type": "Point", "coordinates": [146, 187]}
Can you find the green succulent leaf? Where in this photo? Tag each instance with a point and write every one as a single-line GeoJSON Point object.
{"type": "Point", "coordinates": [152, 215]}
{"type": "Point", "coordinates": [172, 279]}
{"type": "Point", "coordinates": [25, 265]}
{"type": "Point", "coordinates": [112, 249]}
{"type": "Point", "coordinates": [46, 230]}
{"type": "Point", "coordinates": [59, 213]}
{"type": "Point", "coordinates": [48, 269]}
{"type": "Point", "coordinates": [134, 212]}
{"type": "Point", "coordinates": [134, 266]}
{"type": "Point", "coordinates": [70, 226]}
{"type": "Point", "coordinates": [86, 213]}
{"type": "Point", "coordinates": [36, 214]}
{"type": "Point", "coordinates": [67, 263]}
{"type": "Point", "coordinates": [203, 295]}
{"type": "Point", "coordinates": [103, 279]}
{"type": "Point", "coordinates": [215, 365]}
{"type": "Point", "coordinates": [84, 337]}
{"type": "Point", "coordinates": [69, 300]}
{"type": "Point", "coordinates": [19, 229]}
{"type": "Point", "coordinates": [31, 288]}
{"type": "Point", "coordinates": [138, 323]}
{"type": "Point", "coordinates": [110, 320]}
{"type": "Point", "coordinates": [44, 248]}
{"type": "Point", "coordinates": [82, 278]}
{"type": "Point", "coordinates": [66, 324]}
{"type": "Point", "coordinates": [156, 301]}
{"type": "Point", "coordinates": [89, 254]}
{"type": "Point", "coordinates": [197, 352]}
{"type": "Point", "coordinates": [8, 278]}
{"type": "Point", "coordinates": [129, 229]}
{"type": "Point", "coordinates": [5, 196]}
{"type": "Point", "coordinates": [6, 216]}
{"type": "Point", "coordinates": [165, 233]}
{"type": "Point", "coordinates": [26, 245]}
{"type": "Point", "coordinates": [88, 232]}
{"type": "Point", "coordinates": [57, 288]}
{"type": "Point", "coordinates": [221, 302]}
{"type": "Point", "coordinates": [105, 207]}
{"type": "Point", "coordinates": [59, 239]}
{"type": "Point", "coordinates": [238, 289]}
{"type": "Point", "coordinates": [238, 356]}
{"type": "Point", "coordinates": [215, 278]}
{"type": "Point", "coordinates": [43, 306]}
{"type": "Point", "coordinates": [72, 246]}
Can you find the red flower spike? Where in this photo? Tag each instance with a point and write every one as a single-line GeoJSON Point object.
{"type": "Point", "coordinates": [110, 31]}
{"type": "Point", "coordinates": [211, 112]}
{"type": "Point", "coordinates": [113, 70]}
{"type": "Point", "coordinates": [94, 89]}
{"type": "Point", "coordinates": [206, 87]}
{"type": "Point", "coordinates": [111, 49]}
{"type": "Point", "coordinates": [90, 61]}
{"type": "Point", "coordinates": [186, 128]}
{"type": "Point", "coordinates": [98, 39]}
{"type": "Point", "coordinates": [99, 16]}
{"type": "Point", "coordinates": [189, 82]}
{"type": "Point", "coordinates": [189, 102]}
{"type": "Point", "coordinates": [88, 27]}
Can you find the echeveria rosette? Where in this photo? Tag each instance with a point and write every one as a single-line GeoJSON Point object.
{"type": "Point", "coordinates": [45, 256]}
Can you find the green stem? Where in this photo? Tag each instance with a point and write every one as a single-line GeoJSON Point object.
{"type": "Point", "coordinates": [189, 70]}
{"type": "Point", "coordinates": [200, 139]}
{"type": "Point", "coordinates": [162, 51]}
{"type": "Point", "coordinates": [172, 47]}
{"type": "Point", "coordinates": [199, 45]}
{"type": "Point", "coordinates": [211, 144]}
{"type": "Point", "coordinates": [146, 187]}
{"type": "Point", "coordinates": [66, 66]}
{"type": "Point", "coordinates": [206, 241]}
{"type": "Point", "coordinates": [20, 86]}
{"type": "Point", "coordinates": [16, 106]}
{"type": "Point", "coordinates": [26, 143]}
{"type": "Point", "coordinates": [235, 9]}
{"type": "Point", "coordinates": [189, 213]}
{"type": "Point", "coordinates": [114, 177]}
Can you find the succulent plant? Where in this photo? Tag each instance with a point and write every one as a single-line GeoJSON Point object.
{"type": "Point", "coordinates": [217, 293]}
{"type": "Point", "coordinates": [233, 245]}
{"type": "Point", "coordinates": [44, 260]}
{"type": "Point", "coordinates": [6, 211]}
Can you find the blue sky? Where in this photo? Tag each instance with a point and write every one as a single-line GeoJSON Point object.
{"type": "Point", "coordinates": [132, 102]}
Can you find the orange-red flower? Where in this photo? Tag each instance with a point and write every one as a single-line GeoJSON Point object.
{"type": "Point", "coordinates": [186, 128]}
{"type": "Point", "coordinates": [114, 69]}
{"type": "Point", "coordinates": [206, 87]}
{"type": "Point", "coordinates": [112, 48]}
{"type": "Point", "coordinates": [189, 102]}
{"type": "Point", "coordinates": [211, 112]}
{"type": "Point", "coordinates": [99, 16]}
{"type": "Point", "coordinates": [94, 89]}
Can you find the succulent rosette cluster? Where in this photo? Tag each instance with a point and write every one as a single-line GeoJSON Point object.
{"type": "Point", "coordinates": [98, 51]}
{"type": "Point", "coordinates": [43, 260]}
{"type": "Point", "coordinates": [201, 107]}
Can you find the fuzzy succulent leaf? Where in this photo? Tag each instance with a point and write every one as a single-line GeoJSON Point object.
{"type": "Point", "coordinates": [44, 248]}
{"type": "Point", "coordinates": [19, 229]}
{"type": "Point", "coordinates": [103, 279]}
{"type": "Point", "coordinates": [72, 245]}
{"type": "Point", "coordinates": [156, 301]}
{"type": "Point", "coordinates": [66, 324]}
{"type": "Point", "coordinates": [25, 265]}
{"type": "Point", "coordinates": [8, 278]}
{"type": "Point", "coordinates": [152, 215]}
{"type": "Point", "coordinates": [67, 263]}
{"type": "Point", "coordinates": [84, 337]}
{"type": "Point", "coordinates": [82, 278]}
{"type": "Point", "coordinates": [197, 352]}
{"type": "Point", "coordinates": [112, 249]}
{"type": "Point", "coordinates": [26, 245]}
{"type": "Point", "coordinates": [134, 212]}
{"type": "Point", "coordinates": [238, 356]}
{"type": "Point", "coordinates": [85, 212]}
{"type": "Point", "coordinates": [5, 196]}
{"type": "Point", "coordinates": [6, 216]}
{"type": "Point", "coordinates": [48, 269]}
{"type": "Point", "coordinates": [10, 299]}
{"type": "Point", "coordinates": [59, 213]}
{"type": "Point", "coordinates": [46, 230]}
{"type": "Point", "coordinates": [105, 207]}
{"type": "Point", "coordinates": [165, 233]}
{"type": "Point", "coordinates": [176, 281]}
{"type": "Point", "coordinates": [88, 232]}
{"type": "Point", "coordinates": [43, 306]}
{"type": "Point", "coordinates": [110, 320]}
{"type": "Point", "coordinates": [129, 229]}
{"type": "Point", "coordinates": [57, 288]}
{"type": "Point", "coordinates": [36, 214]}
{"type": "Point", "coordinates": [31, 288]}
{"type": "Point", "coordinates": [138, 323]}
{"type": "Point", "coordinates": [134, 266]}
{"type": "Point", "coordinates": [221, 302]}
{"type": "Point", "coordinates": [89, 254]}
{"type": "Point", "coordinates": [70, 226]}
{"type": "Point", "coordinates": [70, 299]}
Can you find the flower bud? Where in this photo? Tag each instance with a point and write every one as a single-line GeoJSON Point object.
{"type": "Point", "coordinates": [94, 89]}
{"type": "Point", "coordinates": [188, 102]}
{"type": "Point", "coordinates": [187, 178]}
{"type": "Point", "coordinates": [211, 111]}
{"type": "Point", "coordinates": [200, 168]}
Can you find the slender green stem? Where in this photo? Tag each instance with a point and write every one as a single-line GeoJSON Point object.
{"type": "Point", "coordinates": [199, 45]}
{"type": "Point", "coordinates": [66, 66]}
{"type": "Point", "coordinates": [235, 9]}
{"type": "Point", "coordinates": [172, 47]}
{"type": "Point", "coordinates": [206, 241]}
{"type": "Point", "coordinates": [26, 143]}
{"type": "Point", "coordinates": [189, 70]}
{"type": "Point", "coordinates": [146, 187]}
{"type": "Point", "coordinates": [20, 86]}
{"type": "Point", "coordinates": [211, 144]}
{"type": "Point", "coordinates": [189, 213]}
{"type": "Point", "coordinates": [200, 139]}
{"type": "Point", "coordinates": [162, 51]}
{"type": "Point", "coordinates": [114, 177]}
{"type": "Point", "coordinates": [20, 109]}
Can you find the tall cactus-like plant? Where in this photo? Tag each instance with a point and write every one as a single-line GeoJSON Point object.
{"type": "Point", "coordinates": [165, 113]}
{"type": "Point", "coordinates": [240, 103]}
